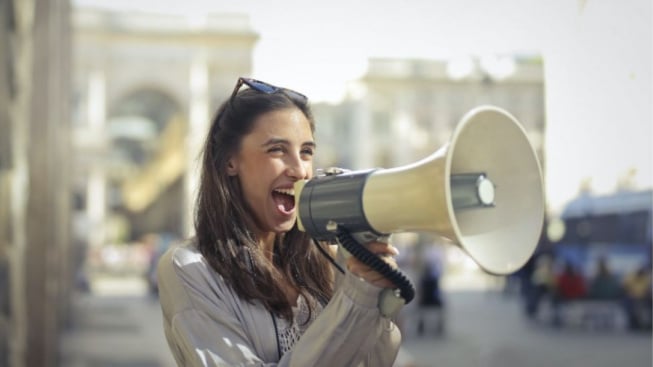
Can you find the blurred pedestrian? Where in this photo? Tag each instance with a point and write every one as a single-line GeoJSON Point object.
{"type": "Point", "coordinates": [569, 285]}
{"type": "Point", "coordinates": [250, 288]}
{"type": "Point", "coordinates": [605, 284]}
{"type": "Point", "coordinates": [637, 298]}
{"type": "Point", "coordinates": [542, 284]}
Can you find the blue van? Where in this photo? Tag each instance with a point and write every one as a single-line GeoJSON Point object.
{"type": "Point", "coordinates": [616, 227]}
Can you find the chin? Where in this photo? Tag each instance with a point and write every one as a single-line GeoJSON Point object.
{"type": "Point", "coordinates": [284, 226]}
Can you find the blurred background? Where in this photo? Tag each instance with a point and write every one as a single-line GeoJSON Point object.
{"type": "Point", "coordinates": [103, 107]}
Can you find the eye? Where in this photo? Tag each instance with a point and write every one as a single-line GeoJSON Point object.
{"type": "Point", "coordinates": [276, 149]}
{"type": "Point", "coordinates": [308, 151]}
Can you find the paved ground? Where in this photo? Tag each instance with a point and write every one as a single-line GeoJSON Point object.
{"type": "Point", "coordinates": [116, 326]}
{"type": "Point", "coordinates": [488, 330]}
{"type": "Point", "coordinates": [484, 329]}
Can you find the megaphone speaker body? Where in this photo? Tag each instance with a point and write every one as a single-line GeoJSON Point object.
{"type": "Point", "coordinates": [499, 235]}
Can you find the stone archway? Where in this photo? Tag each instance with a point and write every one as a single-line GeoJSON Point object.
{"type": "Point", "coordinates": [145, 134]}
{"type": "Point", "coordinates": [151, 103]}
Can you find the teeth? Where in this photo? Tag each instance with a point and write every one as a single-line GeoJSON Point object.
{"type": "Point", "coordinates": [290, 192]}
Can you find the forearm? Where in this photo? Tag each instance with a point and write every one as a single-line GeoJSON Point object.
{"type": "Point", "coordinates": [350, 330]}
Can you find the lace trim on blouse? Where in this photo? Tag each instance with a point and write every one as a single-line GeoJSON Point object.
{"type": "Point", "coordinates": [288, 334]}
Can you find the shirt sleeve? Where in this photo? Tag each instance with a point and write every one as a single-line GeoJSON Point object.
{"type": "Point", "coordinates": [350, 331]}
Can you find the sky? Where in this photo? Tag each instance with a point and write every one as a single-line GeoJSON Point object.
{"type": "Point", "coordinates": [318, 46]}
{"type": "Point", "coordinates": [597, 57]}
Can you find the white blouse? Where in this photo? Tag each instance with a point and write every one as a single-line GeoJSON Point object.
{"type": "Point", "coordinates": [207, 324]}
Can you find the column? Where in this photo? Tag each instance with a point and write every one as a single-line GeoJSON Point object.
{"type": "Point", "coordinates": [198, 125]}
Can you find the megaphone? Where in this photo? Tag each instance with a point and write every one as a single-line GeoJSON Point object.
{"type": "Point", "coordinates": [482, 191]}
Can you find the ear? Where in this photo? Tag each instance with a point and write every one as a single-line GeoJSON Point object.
{"type": "Point", "coordinates": [232, 167]}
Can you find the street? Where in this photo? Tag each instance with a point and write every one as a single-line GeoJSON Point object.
{"type": "Point", "coordinates": [489, 330]}
{"type": "Point", "coordinates": [483, 328]}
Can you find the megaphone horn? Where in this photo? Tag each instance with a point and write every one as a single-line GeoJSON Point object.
{"type": "Point", "coordinates": [482, 190]}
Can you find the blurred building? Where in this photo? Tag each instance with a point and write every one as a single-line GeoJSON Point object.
{"type": "Point", "coordinates": [402, 110]}
{"type": "Point", "coordinates": [144, 88]}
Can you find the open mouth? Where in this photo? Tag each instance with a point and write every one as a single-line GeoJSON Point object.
{"type": "Point", "coordinates": [284, 199]}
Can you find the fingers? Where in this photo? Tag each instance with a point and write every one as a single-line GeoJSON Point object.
{"type": "Point", "coordinates": [374, 278]}
{"type": "Point", "coordinates": [386, 252]}
{"type": "Point", "coordinates": [382, 248]}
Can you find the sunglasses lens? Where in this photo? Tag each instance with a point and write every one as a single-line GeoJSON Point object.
{"type": "Point", "coordinates": [262, 87]}
{"type": "Point", "coordinates": [295, 95]}
{"type": "Point", "coordinates": [268, 88]}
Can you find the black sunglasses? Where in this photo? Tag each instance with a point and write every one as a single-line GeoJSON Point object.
{"type": "Point", "coordinates": [267, 88]}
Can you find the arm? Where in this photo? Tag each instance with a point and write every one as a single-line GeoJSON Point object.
{"type": "Point", "coordinates": [367, 337]}
{"type": "Point", "coordinates": [350, 330]}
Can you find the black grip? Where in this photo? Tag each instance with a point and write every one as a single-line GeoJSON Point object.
{"type": "Point", "coordinates": [406, 287]}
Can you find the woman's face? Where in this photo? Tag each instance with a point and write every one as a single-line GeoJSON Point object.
{"type": "Point", "coordinates": [272, 157]}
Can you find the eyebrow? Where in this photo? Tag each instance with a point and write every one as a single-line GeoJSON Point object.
{"type": "Point", "coordinates": [274, 141]}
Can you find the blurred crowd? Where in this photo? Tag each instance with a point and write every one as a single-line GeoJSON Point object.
{"type": "Point", "coordinates": [560, 284]}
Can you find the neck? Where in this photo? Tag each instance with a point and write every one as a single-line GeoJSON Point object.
{"type": "Point", "coordinates": [266, 241]}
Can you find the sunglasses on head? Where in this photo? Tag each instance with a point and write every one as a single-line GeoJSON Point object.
{"type": "Point", "coordinates": [266, 88]}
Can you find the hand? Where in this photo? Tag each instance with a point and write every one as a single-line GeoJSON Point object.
{"type": "Point", "coordinates": [386, 252]}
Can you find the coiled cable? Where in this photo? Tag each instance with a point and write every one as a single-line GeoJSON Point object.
{"type": "Point", "coordinates": [395, 275]}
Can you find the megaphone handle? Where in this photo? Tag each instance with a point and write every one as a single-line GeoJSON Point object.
{"type": "Point", "coordinates": [404, 285]}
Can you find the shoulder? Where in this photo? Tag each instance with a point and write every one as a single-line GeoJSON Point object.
{"type": "Point", "coordinates": [184, 266]}
{"type": "Point", "coordinates": [187, 281]}
{"type": "Point", "coordinates": [181, 257]}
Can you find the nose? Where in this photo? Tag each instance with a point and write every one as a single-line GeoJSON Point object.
{"type": "Point", "coordinates": [298, 168]}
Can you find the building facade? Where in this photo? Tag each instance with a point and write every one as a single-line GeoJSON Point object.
{"type": "Point", "coordinates": [145, 86]}
{"type": "Point", "coordinates": [403, 110]}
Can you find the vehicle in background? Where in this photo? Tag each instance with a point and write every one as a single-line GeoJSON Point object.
{"type": "Point", "coordinates": [616, 227]}
{"type": "Point", "coordinates": [612, 232]}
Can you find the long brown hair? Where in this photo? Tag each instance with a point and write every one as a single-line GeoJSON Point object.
{"type": "Point", "coordinates": [221, 217]}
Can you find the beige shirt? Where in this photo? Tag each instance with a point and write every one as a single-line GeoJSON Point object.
{"type": "Point", "coordinates": [207, 324]}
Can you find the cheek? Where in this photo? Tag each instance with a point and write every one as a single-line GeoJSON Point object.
{"type": "Point", "coordinates": [257, 178]}
{"type": "Point", "coordinates": [254, 169]}
{"type": "Point", "coordinates": [254, 193]}
{"type": "Point", "coordinates": [309, 169]}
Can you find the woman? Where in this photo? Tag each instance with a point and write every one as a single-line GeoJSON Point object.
{"type": "Point", "coordinates": [250, 289]}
